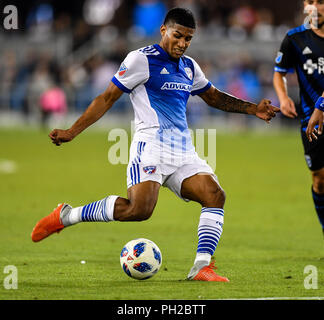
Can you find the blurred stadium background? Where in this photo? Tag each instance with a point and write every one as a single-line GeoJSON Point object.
{"type": "Point", "coordinates": [65, 53]}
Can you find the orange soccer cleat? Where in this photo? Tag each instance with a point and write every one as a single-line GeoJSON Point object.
{"type": "Point", "coordinates": [207, 273]}
{"type": "Point", "coordinates": [48, 225]}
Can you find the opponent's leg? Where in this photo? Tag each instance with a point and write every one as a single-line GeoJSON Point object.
{"type": "Point", "coordinates": [139, 206]}
{"type": "Point", "coordinates": [314, 155]}
{"type": "Point", "coordinates": [318, 194]}
{"type": "Point", "coordinates": [204, 189]}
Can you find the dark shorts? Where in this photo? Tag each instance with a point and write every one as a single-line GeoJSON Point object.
{"type": "Point", "coordinates": [314, 151]}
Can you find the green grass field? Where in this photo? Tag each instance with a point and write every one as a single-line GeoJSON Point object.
{"type": "Point", "coordinates": [271, 232]}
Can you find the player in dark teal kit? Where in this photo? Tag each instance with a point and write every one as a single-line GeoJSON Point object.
{"type": "Point", "coordinates": [302, 51]}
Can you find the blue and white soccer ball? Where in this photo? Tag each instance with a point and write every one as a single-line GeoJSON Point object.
{"type": "Point", "coordinates": [141, 259]}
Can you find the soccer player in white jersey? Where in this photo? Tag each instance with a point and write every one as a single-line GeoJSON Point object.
{"type": "Point", "coordinates": [159, 79]}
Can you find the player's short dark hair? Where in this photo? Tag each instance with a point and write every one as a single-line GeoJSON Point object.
{"type": "Point", "coordinates": [180, 16]}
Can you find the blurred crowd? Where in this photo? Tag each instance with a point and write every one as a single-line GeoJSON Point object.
{"type": "Point", "coordinates": [64, 55]}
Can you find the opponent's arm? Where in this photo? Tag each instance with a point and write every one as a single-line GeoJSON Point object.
{"type": "Point", "coordinates": [287, 105]}
{"type": "Point", "coordinates": [316, 119]}
{"type": "Point", "coordinates": [98, 107]}
{"type": "Point", "coordinates": [226, 102]}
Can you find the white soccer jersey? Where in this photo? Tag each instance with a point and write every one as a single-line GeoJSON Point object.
{"type": "Point", "coordinates": [159, 89]}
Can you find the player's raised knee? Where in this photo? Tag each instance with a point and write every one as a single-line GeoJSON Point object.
{"type": "Point", "coordinates": [142, 213]}
{"type": "Point", "coordinates": [214, 197]}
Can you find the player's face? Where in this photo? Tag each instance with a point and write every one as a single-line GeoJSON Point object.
{"type": "Point", "coordinates": [319, 5]}
{"type": "Point", "coordinates": [176, 39]}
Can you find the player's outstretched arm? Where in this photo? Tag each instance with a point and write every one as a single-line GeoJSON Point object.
{"type": "Point", "coordinates": [226, 102]}
{"type": "Point", "coordinates": [98, 107]}
{"type": "Point", "coordinates": [316, 119]}
{"type": "Point", "coordinates": [287, 105]}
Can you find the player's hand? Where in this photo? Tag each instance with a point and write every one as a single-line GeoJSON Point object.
{"type": "Point", "coordinates": [266, 111]}
{"type": "Point", "coordinates": [317, 118]}
{"type": "Point", "coordinates": [287, 108]}
{"type": "Point", "coordinates": [59, 136]}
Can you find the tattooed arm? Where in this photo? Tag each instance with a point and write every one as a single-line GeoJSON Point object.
{"type": "Point", "coordinates": [223, 101]}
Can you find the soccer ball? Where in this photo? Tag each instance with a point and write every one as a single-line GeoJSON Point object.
{"type": "Point", "coordinates": [141, 259]}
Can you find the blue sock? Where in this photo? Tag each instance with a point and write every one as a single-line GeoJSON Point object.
{"type": "Point", "coordinates": [209, 232]}
{"type": "Point", "coordinates": [319, 206]}
{"type": "Point", "coordinates": [95, 211]}
{"type": "Point", "coordinates": [102, 210]}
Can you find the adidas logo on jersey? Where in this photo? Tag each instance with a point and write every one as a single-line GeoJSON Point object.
{"type": "Point", "coordinates": [307, 51]}
{"type": "Point", "coordinates": [164, 71]}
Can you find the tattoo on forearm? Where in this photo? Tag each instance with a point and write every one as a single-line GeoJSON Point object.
{"type": "Point", "coordinates": [228, 103]}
